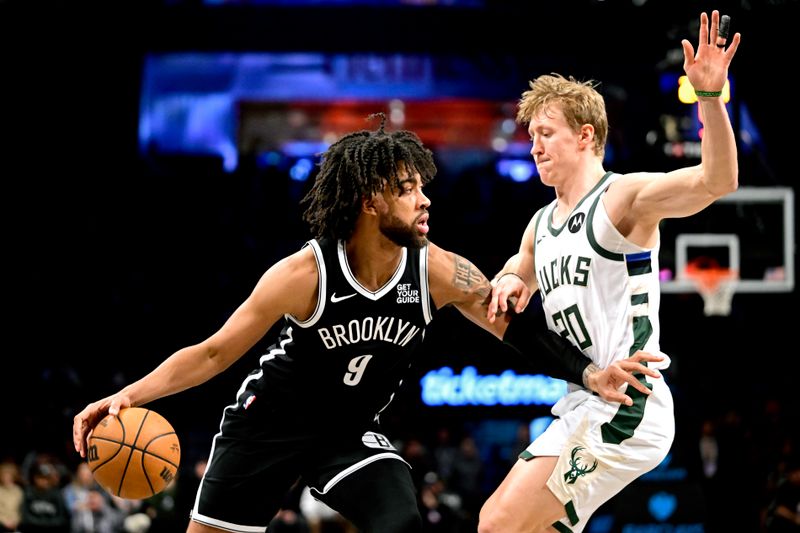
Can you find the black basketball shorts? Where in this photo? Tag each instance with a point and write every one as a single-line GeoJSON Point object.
{"type": "Point", "coordinates": [252, 466]}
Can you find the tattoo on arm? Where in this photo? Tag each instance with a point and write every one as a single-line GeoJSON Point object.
{"type": "Point", "coordinates": [470, 280]}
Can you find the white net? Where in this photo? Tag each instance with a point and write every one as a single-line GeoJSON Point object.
{"type": "Point", "coordinates": [716, 286]}
{"type": "Point", "coordinates": [717, 301]}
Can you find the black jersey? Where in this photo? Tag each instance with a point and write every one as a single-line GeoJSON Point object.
{"type": "Point", "coordinates": [343, 364]}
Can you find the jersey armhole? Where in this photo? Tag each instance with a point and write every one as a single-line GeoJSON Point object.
{"type": "Point", "coordinates": [322, 288]}
{"type": "Point", "coordinates": [424, 286]}
{"type": "Point", "coordinates": [538, 217]}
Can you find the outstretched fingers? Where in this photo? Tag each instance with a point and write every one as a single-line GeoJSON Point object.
{"type": "Point", "coordinates": [616, 396]}
{"type": "Point", "coordinates": [648, 357]}
{"type": "Point", "coordinates": [714, 35]}
{"type": "Point", "coordinates": [688, 54]}
{"type": "Point", "coordinates": [627, 373]}
{"type": "Point", "coordinates": [629, 369]}
{"type": "Point", "coordinates": [703, 37]}
{"type": "Point", "coordinates": [731, 50]}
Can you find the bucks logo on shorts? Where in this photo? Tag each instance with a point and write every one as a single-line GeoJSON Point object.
{"type": "Point", "coordinates": [576, 469]}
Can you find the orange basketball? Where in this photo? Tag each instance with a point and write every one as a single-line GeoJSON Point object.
{"type": "Point", "coordinates": [135, 454]}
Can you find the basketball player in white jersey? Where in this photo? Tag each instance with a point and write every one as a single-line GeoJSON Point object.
{"type": "Point", "coordinates": [593, 255]}
{"type": "Point", "coordinates": [354, 303]}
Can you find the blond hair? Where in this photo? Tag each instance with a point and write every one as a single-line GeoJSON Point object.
{"type": "Point", "coordinates": [578, 100]}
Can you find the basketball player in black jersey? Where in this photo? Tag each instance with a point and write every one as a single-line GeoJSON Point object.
{"type": "Point", "coordinates": [355, 302]}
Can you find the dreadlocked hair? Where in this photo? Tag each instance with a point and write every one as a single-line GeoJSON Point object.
{"type": "Point", "coordinates": [359, 165]}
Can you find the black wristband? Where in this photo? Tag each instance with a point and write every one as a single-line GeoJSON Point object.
{"type": "Point", "coordinates": [529, 335]}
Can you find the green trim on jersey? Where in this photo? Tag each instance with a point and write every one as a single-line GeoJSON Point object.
{"type": "Point", "coordinates": [571, 514]}
{"type": "Point", "coordinates": [627, 419]}
{"type": "Point", "coordinates": [561, 528]}
{"type": "Point", "coordinates": [608, 254]}
{"type": "Point", "coordinates": [555, 232]}
{"type": "Point", "coordinates": [642, 330]}
{"type": "Point", "coordinates": [525, 455]}
{"type": "Point", "coordinates": [639, 299]}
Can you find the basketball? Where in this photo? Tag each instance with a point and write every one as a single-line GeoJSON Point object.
{"type": "Point", "coordinates": [135, 454]}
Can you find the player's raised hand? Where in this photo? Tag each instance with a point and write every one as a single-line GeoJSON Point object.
{"type": "Point", "coordinates": [707, 69]}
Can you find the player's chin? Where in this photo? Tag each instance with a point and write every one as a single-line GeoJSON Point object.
{"type": "Point", "coordinates": [420, 241]}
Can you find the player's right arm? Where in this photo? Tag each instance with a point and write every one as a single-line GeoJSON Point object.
{"type": "Point", "coordinates": [516, 276]}
{"type": "Point", "coordinates": [288, 287]}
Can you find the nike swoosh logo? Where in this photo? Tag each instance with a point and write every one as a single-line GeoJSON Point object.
{"type": "Point", "coordinates": [335, 299]}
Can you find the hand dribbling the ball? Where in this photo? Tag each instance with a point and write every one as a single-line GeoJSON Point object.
{"type": "Point", "coordinates": [93, 413]}
{"type": "Point", "coordinates": [134, 454]}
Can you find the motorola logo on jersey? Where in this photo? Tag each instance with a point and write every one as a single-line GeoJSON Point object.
{"type": "Point", "coordinates": [576, 222]}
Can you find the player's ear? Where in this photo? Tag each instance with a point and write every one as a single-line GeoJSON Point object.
{"type": "Point", "coordinates": [586, 134]}
{"type": "Point", "coordinates": [369, 204]}
{"type": "Point", "coordinates": [373, 204]}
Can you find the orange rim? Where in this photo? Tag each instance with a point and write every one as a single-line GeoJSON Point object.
{"type": "Point", "coordinates": [708, 277]}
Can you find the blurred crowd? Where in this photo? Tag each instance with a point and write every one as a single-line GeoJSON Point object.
{"type": "Point", "coordinates": [747, 466]}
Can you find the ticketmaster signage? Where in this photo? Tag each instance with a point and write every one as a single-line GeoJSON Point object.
{"type": "Point", "coordinates": [445, 387]}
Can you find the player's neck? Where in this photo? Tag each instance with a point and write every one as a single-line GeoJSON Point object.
{"type": "Point", "coordinates": [574, 189]}
{"type": "Point", "coordinates": [373, 261]}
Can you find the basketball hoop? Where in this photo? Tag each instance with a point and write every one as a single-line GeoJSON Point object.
{"type": "Point", "coordinates": [714, 283]}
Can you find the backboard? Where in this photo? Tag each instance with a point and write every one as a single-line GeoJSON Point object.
{"type": "Point", "coordinates": [750, 231]}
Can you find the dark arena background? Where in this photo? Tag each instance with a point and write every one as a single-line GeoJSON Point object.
{"type": "Point", "coordinates": [154, 154]}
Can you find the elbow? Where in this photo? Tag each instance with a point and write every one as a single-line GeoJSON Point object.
{"type": "Point", "coordinates": [212, 360]}
{"type": "Point", "coordinates": [733, 182]}
{"type": "Point", "coordinates": [733, 178]}
{"type": "Point", "coordinates": [728, 186]}
{"type": "Point", "coordinates": [723, 185]}
{"type": "Point", "coordinates": [219, 359]}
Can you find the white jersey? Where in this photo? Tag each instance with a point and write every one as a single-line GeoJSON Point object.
{"type": "Point", "coordinates": [598, 289]}
{"type": "Point", "coordinates": [602, 293]}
